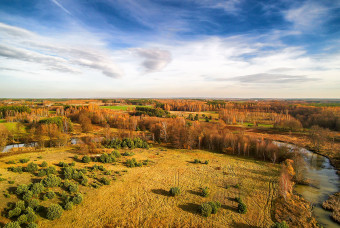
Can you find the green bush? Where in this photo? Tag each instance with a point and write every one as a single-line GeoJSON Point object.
{"type": "Point", "coordinates": [14, 213]}
{"type": "Point", "coordinates": [42, 173]}
{"type": "Point", "coordinates": [7, 195]}
{"type": "Point", "coordinates": [50, 195]}
{"type": "Point", "coordinates": [196, 161]}
{"type": "Point", "coordinates": [105, 180]}
{"type": "Point", "coordinates": [20, 204]}
{"type": "Point", "coordinates": [86, 159]}
{"type": "Point", "coordinates": [116, 154]}
{"type": "Point", "coordinates": [32, 167]}
{"type": "Point", "coordinates": [238, 199]}
{"type": "Point", "coordinates": [11, 182]}
{"type": "Point", "coordinates": [84, 181]}
{"type": "Point", "coordinates": [206, 162]}
{"type": "Point", "coordinates": [17, 169]}
{"type": "Point", "coordinates": [27, 196]}
{"type": "Point", "coordinates": [133, 163]}
{"type": "Point", "coordinates": [280, 225]}
{"type": "Point", "coordinates": [175, 191]}
{"type": "Point", "coordinates": [215, 206]}
{"type": "Point", "coordinates": [12, 225]}
{"type": "Point", "coordinates": [126, 153]}
{"type": "Point", "coordinates": [107, 158]}
{"type": "Point", "coordinates": [54, 211]}
{"type": "Point", "coordinates": [32, 225]}
{"type": "Point", "coordinates": [37, 188]}
{"type": "Point", "coordinates": [22, 219]}
{"type": "Point", "coordinates": [73, 188]}
{"type": "Point", "coordinates": [44, 164]}
{"type": "Point", "coordinates": [34, 203]}
{"type": "Point", "coordinates": [78, 198]}
{"type": "Point", "coordinates": [205, 192]}
{"type": "Point", "coordinates": [68, 172]}
{"type": "Point", "coordinates": [10, 162]}
{"type": "Point", "coordinates": [205, 209]}
{"type": "Point", "coordinates": [51, 181]}
{"type": "Point", "coordinates": [50, 170]}
{"type": "Point", "coordinates": [68, 206]}
{"type": "Point", "coordinates": [242, 208]}
{"type": "Point", "coordinates": [31, 217]}
{"type": "Point", "coordinates": [21, 189]}
{"type": "Point", "coordinates": [24, 160]}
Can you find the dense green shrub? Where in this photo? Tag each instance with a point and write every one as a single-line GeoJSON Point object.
{"type": "Point", "coordinates": [34, 203]}
{"type": "Point", "coordinates": [11, 182]}
{"type": "Point", "coordinates": [175, 191]}
{"type": "Point", "coordinates": [51, 170]}
{"type": "Point", "coordinates": [37, 188]}
{"type": "Point", "coordinates": [127, 153]}
{"type": "Point", "coordinates": [84, 181]}
{"type": "Point", "coordinates": [68, 206]}
{"type": "Point", "coordinates": [78, 198]}
{"type": "Point", "coordinates": [133, 163]}
{"type": "Point", "coordinates": [14, 213]}
{"type": "Point", "coordinates": [206, 162]}
{"type": "Point", "coordinates": [17, 169]}
{"type": "Point", "coordinates": [205, 209]}
{"type": "Point", "coordinates": [215, 206]}
{"type": "Point", "coordinates": [242, 208]}
{"type": "Point", "coordinates": [68, 172]}
{"type": "Point", "coordinates": [31, 217]}
{"type": "Point", "coordinates": [54, 211]}
{"type": "Point", "coordinates": [116, 154]}
{"type": "Point", "coordinates": [205, 192]}
{"type": "Point", "coordinates": [105, 180]}
{"type": "Point", "coordinates": [50, 195]}
{"type": "Point", "coordinates": [73, 188]}
{"type": "Point", "coordinates": [126, 142]}
{"type": "Point", "coordinates": [24, 160]}
{"type": "Point", "coordinates": [32, 167]}
{"type": "Point", "coordinates": [107, 158]}
{"type": "Point", "coordinates": [196, 161]}
{"type": "Point", "coordinates": [42, 173]}
{"type": "Point", "coordinates": [238, 199]}
{"type": "Point", "coordinates": [27, 196]}
{"type": "Point", "coordinates": [12, 225]}
{"type": "Point", "coordinates": [280, 225]}
{"type": "Point", "coordinates": [44, 164]}
{"type": "Point", "coordinates": [51, 181]}
{"type": "Point", "coordinates": [62, 164]}
{"type": "Point", "coordinates": [22, 219]}
{"type": "Point", "coordinates": [20, 204]}
{"type": "Point", "coordinates": [32, 225]}
{"type": "Point", "coordinates": [86, 159]}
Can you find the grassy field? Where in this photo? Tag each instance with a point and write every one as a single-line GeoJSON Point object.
{"type": "Point", "coordinates": [139, 197]}
{"type": "Point", "coordinates": [122, 107]}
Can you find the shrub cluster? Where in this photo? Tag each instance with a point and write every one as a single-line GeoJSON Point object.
{"type": "Point", "coordinates": [175, 191]}
{"type": "Point", "coordinates": [51, 181]}
{"type": "Point", "coordinates": [197, 161]}
{"type": "Point", "coordinates": [126, 142]}
{"type": "Point", "coordinates": [133, 163]}
{"type": "Point", "coordinates": [206, 209]}
{"type": "Point", "coordinates": [54, 211]}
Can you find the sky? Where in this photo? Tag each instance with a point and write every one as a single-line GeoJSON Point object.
{"type": "Point", "coordinates": [170, 48]}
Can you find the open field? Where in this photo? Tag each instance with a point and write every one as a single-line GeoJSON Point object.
{"type": "Point", "coordinates": [140, 196]}
{"type": "Point", "coordinates": [122, 107]}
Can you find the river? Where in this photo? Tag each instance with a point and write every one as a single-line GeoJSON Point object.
{"type": "Point", "coordinates": [325, 183]}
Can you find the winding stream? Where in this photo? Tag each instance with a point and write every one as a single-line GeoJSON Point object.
{"type": "Point", "coordinates": [325, 183]}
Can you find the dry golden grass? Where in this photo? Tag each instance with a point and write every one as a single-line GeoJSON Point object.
{"type": "Point", "coordinates": [140, 197]}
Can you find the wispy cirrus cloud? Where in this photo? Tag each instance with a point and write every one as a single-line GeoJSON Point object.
{"type": "Point", "coordinates": [153, 59]}
{"type": "Point", "coordinates": [61, 6]}
{"type": "Point", "coordinates": [267, 78]}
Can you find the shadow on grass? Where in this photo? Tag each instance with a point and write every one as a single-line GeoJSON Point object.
{"type": "Point", "coordinates": [160, 192]}
{"type": "Point", "coordinates": [197, 193]}
{"type": "Point", "coordinates": [11, 190]}
{"type": "Point", "coordinates": [230, 208]}
{"type": "Point", "coordinates": [190, 207]}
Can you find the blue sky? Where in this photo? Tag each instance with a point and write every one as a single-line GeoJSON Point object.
{"type": "Point", "coordinates": [170, 48]}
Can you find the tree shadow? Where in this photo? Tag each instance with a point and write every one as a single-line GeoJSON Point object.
{"type": "Point", "coordinates": [190, 207]}
{"type": "Point", "coordinates": [11, 190]}
{"type": "Point", "coordinates": [160, 192]}
{"type": "Point", "coordinates": [197, 193]}
{"type": "Point", "coordinates": [230, 208]}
